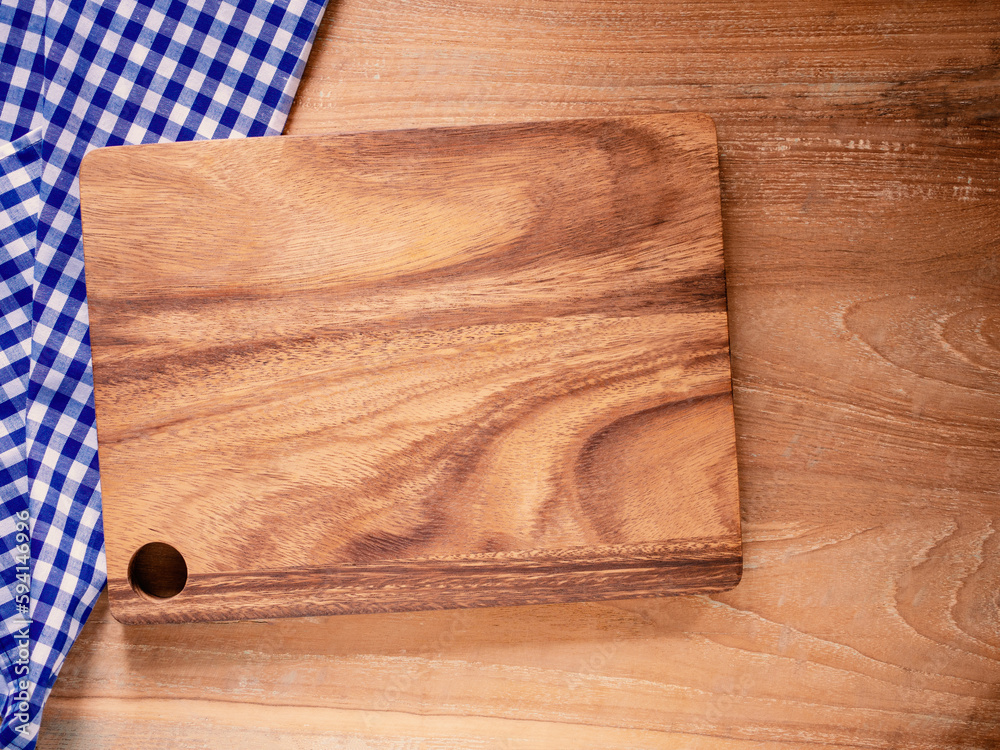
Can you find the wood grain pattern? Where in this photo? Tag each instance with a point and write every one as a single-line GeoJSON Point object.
{"type": "Point", "coordinates": [322, 354]}
{"type": "Point", "coordinates": [860, 176]}
{"type": "Point", "coordinates": [483, 580]}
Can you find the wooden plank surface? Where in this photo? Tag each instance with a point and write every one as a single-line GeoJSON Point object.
{"type": "Point", "coordinates": [414, 369]}
{"type": "Point", "coordinates": [859, 172]}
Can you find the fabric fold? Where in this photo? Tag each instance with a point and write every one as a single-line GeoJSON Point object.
{"type": "Point", "coordinates": [20, 172]}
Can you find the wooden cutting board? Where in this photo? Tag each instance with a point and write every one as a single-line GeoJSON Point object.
{"type": "Point", "coordinates": [412, 370]}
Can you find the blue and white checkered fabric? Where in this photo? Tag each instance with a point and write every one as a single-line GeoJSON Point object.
{"type": "Point", "coordinates": [82, 75]}
{"type": "Point", "coordinates": [20, 171]}
{"type": "Point", "coordinates": [22, 67]}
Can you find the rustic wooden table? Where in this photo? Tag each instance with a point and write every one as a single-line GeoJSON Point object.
{"type": "Point", "coordinates": [860, 158]}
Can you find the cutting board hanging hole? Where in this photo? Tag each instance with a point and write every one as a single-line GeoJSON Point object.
{"type": "Point", "coordinates": [158, 571]}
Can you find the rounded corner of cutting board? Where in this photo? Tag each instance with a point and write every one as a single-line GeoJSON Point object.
{"type": "Point", "coordinates": [120, 596]}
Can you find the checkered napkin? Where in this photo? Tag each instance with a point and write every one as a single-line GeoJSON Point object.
{"type": "Point", "coordinates": [77, 75]}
